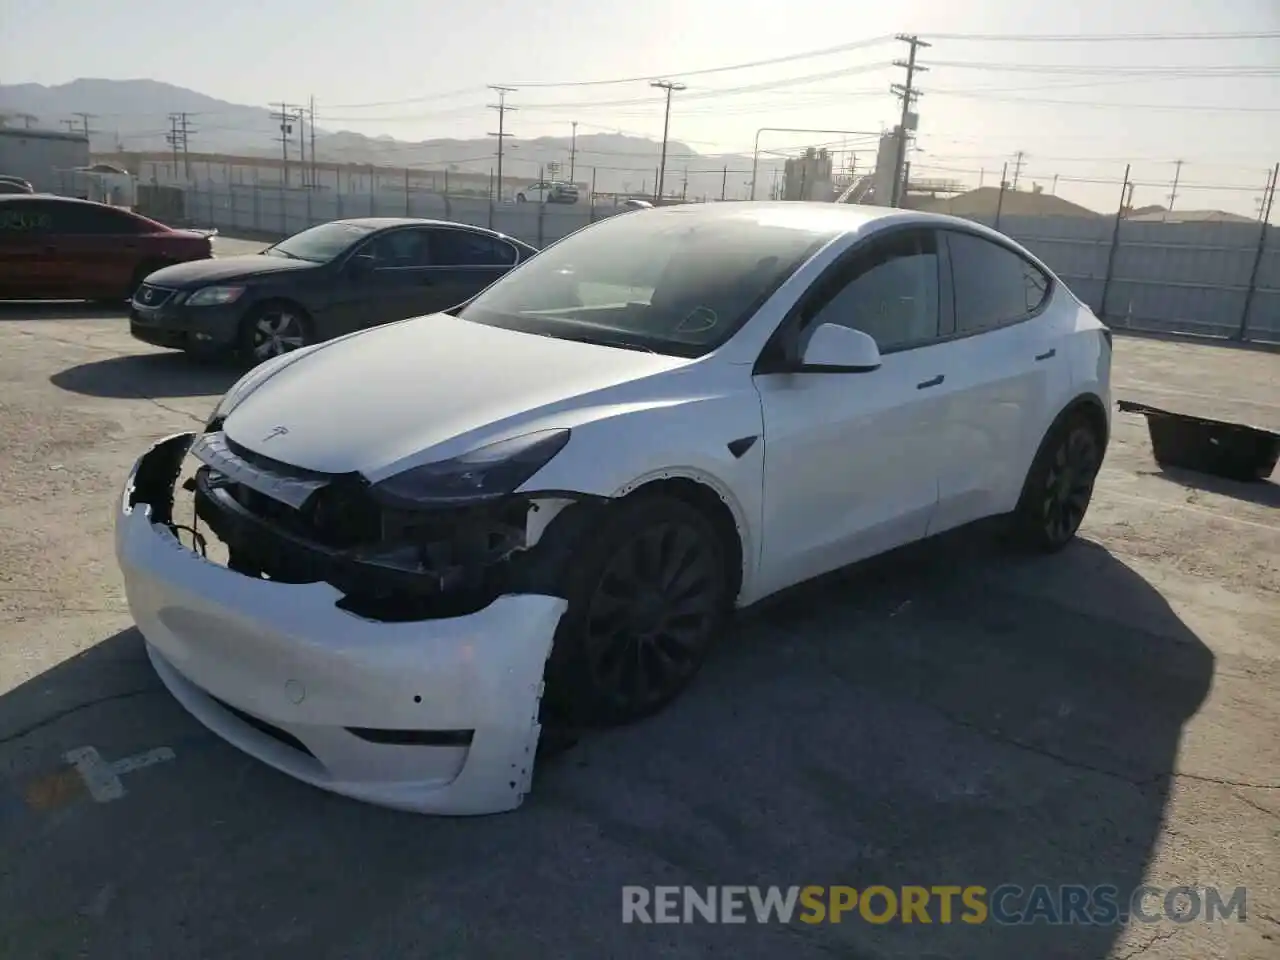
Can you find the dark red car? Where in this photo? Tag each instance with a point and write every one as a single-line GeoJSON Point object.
{"type": "Point", "coordinates": [57, 248]}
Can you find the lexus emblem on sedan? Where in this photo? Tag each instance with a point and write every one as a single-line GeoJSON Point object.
{"type": "Point", "coordinates": [148, 295]}
{"type": "Point", "coordinates": [275, 432]}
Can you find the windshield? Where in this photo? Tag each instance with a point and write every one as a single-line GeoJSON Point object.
{"type": "Point", "coordinates": [320, 244]}
{"type": "Point", "coordinates": [679, 281]}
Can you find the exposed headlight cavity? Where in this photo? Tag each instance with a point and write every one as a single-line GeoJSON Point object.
{"type": "Point", "coordinates": [486, 473]}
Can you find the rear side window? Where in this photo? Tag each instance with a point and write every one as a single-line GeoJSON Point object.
{"type": "Point", "coordinates": [462, 248]}
{"type": "Point", "coordinates": [993, 285]}
{"type": "Point", "coordinates": [83, 218]}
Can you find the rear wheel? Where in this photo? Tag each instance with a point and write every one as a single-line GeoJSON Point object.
{"type": "Point", "coordinates": [647, 596]}
{"type": "Point", "coordinates": [273, 329]}
{"type": "Point", "coordinates": [1059, 486]}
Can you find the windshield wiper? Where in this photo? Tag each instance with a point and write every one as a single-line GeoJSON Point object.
{"type": "Point", "coordinates": [621, 344]}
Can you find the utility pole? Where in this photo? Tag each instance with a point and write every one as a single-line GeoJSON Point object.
{"type": "Point", "coordinates": [302, 145]}
{"type": "Point", "coordinates": [1263, 200]}
{"type": "Point", "coordinates": [1018, 159]}
{"type": "Point", "coordinates": [311, 124]}
{"type": "Point", "coordinates": [502, 108]}
{"type": "Point", "coordinates": [70, 125]}
{"type": "Point", "coordinates": [724, 181]}
{"type": "Point", "coordinates": [84, 122]}
{"type": "Point", "coordinates": [684, 188]}
{"type": "Point", "coordinates": [179, 131]}
{"type": "Point", "coordinates": [573, 149]}
{"type": "Point", "coordinates": [909, 94]}
{"type": "Point", "coordinates": [1173, 191]}
{"type": "Point", "coordinates": [670, 88]}
{"type": "Point", "coordinates": [285, 115]}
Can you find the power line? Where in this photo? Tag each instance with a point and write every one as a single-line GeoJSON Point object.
{"type": "Point", "coordinates": [670, 88]}
{"type": "Point", "coordinates": [1102, 37]}
{"type": "Point", "coordinates": [908, 94]}
{"type": "Point", "coordinates": [1176, 71]}
{"type": "Point", "coordinates": [1100, 104]}
{"type": "Point", "coordinates": [502, 108]}
{"type": "Point", "coordinates": [707, 71]}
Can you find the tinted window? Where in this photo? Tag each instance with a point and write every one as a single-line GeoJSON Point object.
{"type": "Point", "coordinates": [83, 218]}
{"type": "Point", "coordinates": [993, 285]}
{"type": "Point", "coordinates": [320, 244]}
{"type": "Point", "coordinates": [892, 293]}
{"type": "Point", "coordinates": [680, 280]}
{"type": "Point", "coordinates": [399, 248]}
{"type": "Point", "coordinates": [18, 217]}
{"type": "Point", "coordinates": [462, 248]}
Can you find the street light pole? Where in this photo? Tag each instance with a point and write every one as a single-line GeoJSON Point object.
{"type": "Point", "coordinates": [670, 87]}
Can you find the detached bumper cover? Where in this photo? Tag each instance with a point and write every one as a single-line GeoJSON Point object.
{"type": "Point", "coordinates": [435, 716]}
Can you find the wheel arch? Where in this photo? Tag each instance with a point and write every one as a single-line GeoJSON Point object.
{"type": "Point", "coordinates": [1089, 405]}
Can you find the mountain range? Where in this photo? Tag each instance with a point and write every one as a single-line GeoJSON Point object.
{"type": "Point", "coordinates": [133, 116]}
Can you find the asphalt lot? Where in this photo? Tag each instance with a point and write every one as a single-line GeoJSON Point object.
{"type": "Point", "coordinates": [950, 715]}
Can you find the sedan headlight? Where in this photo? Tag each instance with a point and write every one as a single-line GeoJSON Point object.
{"type": "Point", "coordinates": [486, 473]}
{"type": "Point", "coordinates": [214, 296]}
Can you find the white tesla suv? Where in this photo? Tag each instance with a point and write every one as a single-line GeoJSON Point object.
{"type": "Point", "coordinates": [573, 479]}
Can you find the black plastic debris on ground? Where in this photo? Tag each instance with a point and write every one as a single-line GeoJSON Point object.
{"type": "Point", "coordinates": [1231, 450]}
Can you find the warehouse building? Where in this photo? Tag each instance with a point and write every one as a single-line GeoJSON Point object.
{"type": "Point", "coordinates": [44, 157]}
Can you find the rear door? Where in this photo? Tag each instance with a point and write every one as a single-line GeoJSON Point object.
{"type": "Point", "coordinates": [1006, 369]}
{"type": "Point", "coordinates": [95, 250]}
{"type": "Point", "coordinates": [464, 262]}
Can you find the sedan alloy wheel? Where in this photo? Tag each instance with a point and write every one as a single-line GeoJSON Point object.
{"type": "Point", "coordinates": [276, 332]}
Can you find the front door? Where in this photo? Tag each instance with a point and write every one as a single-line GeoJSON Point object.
{"type": "Point", "coordinates": [851, 466]}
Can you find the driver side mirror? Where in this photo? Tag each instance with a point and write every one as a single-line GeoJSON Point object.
{"type": "Point", "coordinates": [834, 348]}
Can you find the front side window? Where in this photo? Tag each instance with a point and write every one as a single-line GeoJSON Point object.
{"type": "Point", "coordinates": [891, 293]}
{"type": "Point", "coordinates": [320, 244]}
{"type": "Point", "coordinates": [681, 281]}
{"type": "Point", "coordinates": [993, 285]}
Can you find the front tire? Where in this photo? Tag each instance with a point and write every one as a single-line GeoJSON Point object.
{"type": "Point", "coordinates": [273, 329]}
{"type": "Point", "coordinates": [1059, 486]}
{"type": "Point", "coordinates": [647, 593]}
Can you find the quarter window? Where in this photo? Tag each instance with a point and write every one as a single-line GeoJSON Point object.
{"type": "Point", "coordinates": [993, 285]}
{"type": "Point", "coordinates": [892, 293]}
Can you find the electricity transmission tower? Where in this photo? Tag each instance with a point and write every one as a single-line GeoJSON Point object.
{"type": "Point", "coordinates": [503, 109]}
{"type": "Point", "coordinates": [908, 93]}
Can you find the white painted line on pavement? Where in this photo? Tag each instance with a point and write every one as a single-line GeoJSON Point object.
{"type": "Point", "coordinates": [101, 778]}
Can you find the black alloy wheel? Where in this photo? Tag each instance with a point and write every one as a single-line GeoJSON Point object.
{"type": "Point", "coordinates": [1060, 486]}
{"type": "Point", "coordinates": [647, 598]}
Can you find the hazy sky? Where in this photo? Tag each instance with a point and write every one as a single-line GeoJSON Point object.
{"type": "Point", "coordinates": [416, 69]}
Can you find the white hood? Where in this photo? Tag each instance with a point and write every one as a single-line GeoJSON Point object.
{"type": "Point", "coordinates": [374, 399]}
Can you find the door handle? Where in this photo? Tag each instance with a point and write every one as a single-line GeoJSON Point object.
{"type": "Point", "coordinates": [926, 384]}
{"type": "Point", "coordinates": [1046, 356]}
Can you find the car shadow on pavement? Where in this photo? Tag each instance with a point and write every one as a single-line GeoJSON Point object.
{"type": "Point", "coordinates": [947, 715]}
{"type": "Point", "coordinates": [1264, 493]}
{"type": "Point", "coordinates": [62, 310]}
{"type": "Point", "coordinates": [150, 375]}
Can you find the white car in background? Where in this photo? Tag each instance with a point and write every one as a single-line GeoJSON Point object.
{"type": "Point", "coordinates": [548, 191]}
{"type": "Point", "coordinates": [574, 478]}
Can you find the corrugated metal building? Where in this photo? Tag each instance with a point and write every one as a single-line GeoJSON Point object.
{"type": "Point", "coordinates": [44, 157]}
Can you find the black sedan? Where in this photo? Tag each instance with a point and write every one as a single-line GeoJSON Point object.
{"type": "Point", "coordinates": [326, 281]}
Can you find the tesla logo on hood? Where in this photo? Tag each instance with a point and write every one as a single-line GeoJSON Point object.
{"type": "Point", "coordinates": [275, 432]}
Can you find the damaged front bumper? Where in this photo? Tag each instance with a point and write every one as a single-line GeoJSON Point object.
{"type": "Point", "coordinates": [433, 716]}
